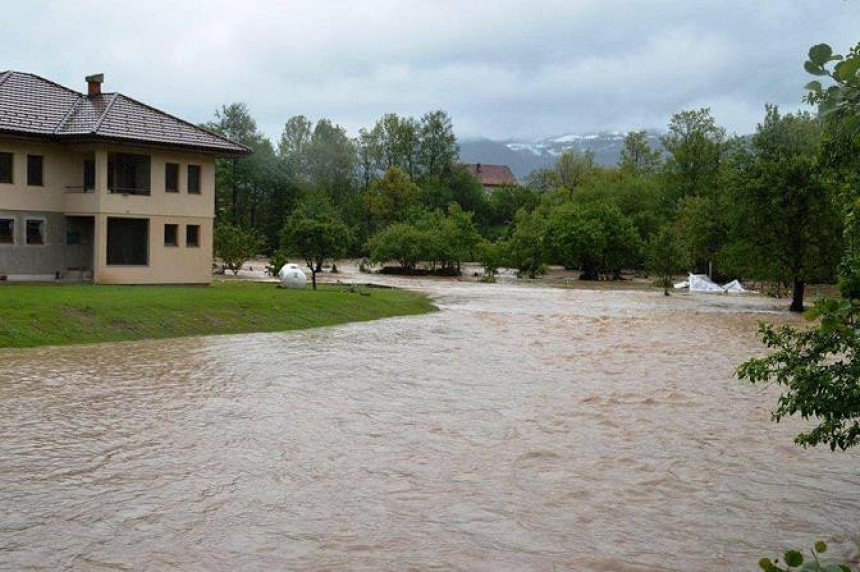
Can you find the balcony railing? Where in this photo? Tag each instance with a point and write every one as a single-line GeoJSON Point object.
{"type": "Point", "coordinates": [79, 189]}
{"type": "Point", "coordinates": [129, 191]}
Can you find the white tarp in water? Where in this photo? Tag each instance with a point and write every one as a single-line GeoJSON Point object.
{"type": "Point", "coordinates": [702, 283]}
{"type": "Point", "coordinates": [734, 287]}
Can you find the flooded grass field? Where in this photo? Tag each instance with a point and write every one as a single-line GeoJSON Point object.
{"type": "Point", "coordinates": [520, 428]}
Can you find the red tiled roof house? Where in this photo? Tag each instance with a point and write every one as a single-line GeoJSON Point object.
{"type": "Point", "coordinates": [492, 176]}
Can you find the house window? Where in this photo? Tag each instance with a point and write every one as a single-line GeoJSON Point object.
{"type": "Point", "coordinates": [171, 235]}
{"type": "Point", "coordinates": [127, 241]}
{"type": "Point", "coordinates": [128, 174]}
{"type": "Point", "coordinates": [35, 231]}
{"type": "Point", "coordinates": [7, 231]}
{"type": "Point", "coordinates": [194, 179]}
{"type": "Point", "coordinates": [89, 175]}
{"type": "Point", "coordinates": [192, 235]}
{"type": "Point", "coordinates": [171, 177]}
{"type": "Point", "coordinates": [6, 168]}
{"type": "Point", "coordinates": [34, 170]}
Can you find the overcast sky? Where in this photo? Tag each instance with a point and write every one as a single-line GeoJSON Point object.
{"type": "Point", "coordinates": [502, 69]}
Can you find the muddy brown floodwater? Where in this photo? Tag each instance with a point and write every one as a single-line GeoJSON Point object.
{"type": "Point", "coordinates": [520, 428]}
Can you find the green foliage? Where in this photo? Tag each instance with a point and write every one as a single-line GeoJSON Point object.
{"type": "Point", "coordinates": [389, 199]}
{"type": "Point", "coordinates": [528, 245]}
{"type": "Point", "coordinates": [235, 245]}
{"type": "Point", "coordinates": [573, 168]}
{"type": "Point", "coordinates": [403, 242]}
{"type": "Point", "coordinates": [316, 235]}
{"type": "Point", "coordinates": [492, 256]}
{"type": "Point", "coordinates": [787, 225]}
{"type": "Point", "coordinates": [695, 145]}
{"type": "Point", "coordinates": [596, 238]}
{"type": "Point", "coordinates": [665, 256]}
{"type": "Point", "coordinates": [794, 559]}
{"type": "Point", "coordinates": [819, 369]}
{"type": "Point", "coordinates": [440, 238]}
{"type": "Point", "coordinates": [637, 156]}
{"type": "Point", "coordinates": [842, 98]}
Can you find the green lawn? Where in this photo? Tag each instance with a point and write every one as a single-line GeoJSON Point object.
{"type": "Point", "coordinates": [37, 315]}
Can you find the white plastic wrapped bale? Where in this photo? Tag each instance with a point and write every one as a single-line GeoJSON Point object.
{"type": "Point", "coordinates": [734, 287]}
{"type": "Point", "coordinates": [701, 283]}
{"type": "Point", "coordinates": [292, 276]}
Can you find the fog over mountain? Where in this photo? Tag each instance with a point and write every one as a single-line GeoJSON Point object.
{"type": "Point", "coordinates": [523, 156]}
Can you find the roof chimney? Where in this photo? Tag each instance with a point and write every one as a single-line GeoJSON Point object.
{"type": "Point", "coordinates": [94, 84]}
{"type": "Point", "coordinates": [478, 168]}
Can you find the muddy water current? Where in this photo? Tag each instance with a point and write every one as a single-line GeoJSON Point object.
{"type": "Point", "coordinates": [520, 428]}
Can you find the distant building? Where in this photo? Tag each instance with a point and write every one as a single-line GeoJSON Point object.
{"type": "Point", "coordinates": [492, 176]}
{"type": "Point", "coordinates": [100, 186]}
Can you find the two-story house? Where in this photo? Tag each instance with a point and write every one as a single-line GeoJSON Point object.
{"type": "Point", "coordinates": [101, 186]}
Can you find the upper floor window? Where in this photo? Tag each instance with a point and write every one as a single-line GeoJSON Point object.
{"type": "Point", "coordinates": [128, 174]}
{"type": "Point", "coordinates": [89, 175]}
{"type": "Point", "coordinates": [171, 177]}
{"type": "Point", "coordinates": [6, 168]}
{"type": "Point", "coordinates": [194, 179]}
{"type": "Point", "coordinates": [7, 231]}
{"type": "Point", "coordinates": [35, 231]}
{"type": "Point", "coordinates": [35, 168]}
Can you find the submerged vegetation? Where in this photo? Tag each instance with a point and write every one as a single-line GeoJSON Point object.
{"type": "Point", "coordinates": [38, 315]}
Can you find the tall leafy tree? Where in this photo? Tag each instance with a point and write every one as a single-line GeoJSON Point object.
{"type": "Point", "coordinates": [787, 223]}
{"type": "Point", "coordinates": [293, 145]}
{"type": "Point", "coordinates": [389, 199]}
{"type": "Point", "coordinates": [696, 146]}
{"type": "Point", "coordinates": [637, 156]}
{"type": "Point", "coordinates": [438, 148]}
{"type": "Point", "coordinates": [573, 168]}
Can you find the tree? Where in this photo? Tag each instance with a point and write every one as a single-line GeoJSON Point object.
{"type": "Point", "coordinates": [594, 238]}
{"type": "Point", "coordinates": [787, 224]}
{"type": "Point", "coordinates": [256, 191]}
{"type": "Point", "coordinates": [388, 199]}
{"type": "Point", "coordinates": [316, 237]}
{"type": "Point", "coordinates": [235, 245]}
{"type": "Point", "coordinates": [438, 148]}
{"type": "Point", "coordinates": [695, 145]}
{"type": "Point", "coordinates": [665, 256]}
{"type": "Point", "coordinates": [637, 156]}
{"type": "Point", "coordinates": [820, 369]}
{"type": "Point", "coordinates": [492, 256]}
{"type": "Point", "coordinates": [292, 148]}
{"type": "Point", "coordinates": [403, 242]}
{"type": "Point", "coordinates": [528, 246]}
{"type": "Point", "coordinates": [331, 161]}
{"type": "Point", "coordinates": [573, 168]}
{"type": "Point", "coordinates": [818, 366]}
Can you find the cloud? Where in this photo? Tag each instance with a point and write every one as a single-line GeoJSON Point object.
{"type": "Point", "coordinates": [502, 68]}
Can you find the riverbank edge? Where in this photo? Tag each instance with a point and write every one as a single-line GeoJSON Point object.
{"type": "Point", "coordinates": [37, 315]}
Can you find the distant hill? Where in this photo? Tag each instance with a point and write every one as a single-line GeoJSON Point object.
{"type": "Point", "coordinates": [525, 156]}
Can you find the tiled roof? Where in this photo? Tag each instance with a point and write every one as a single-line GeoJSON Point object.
{"type": "Point", "coordinates": [492, 175]}
{"type": "Point", "coordinates": [32, 105]}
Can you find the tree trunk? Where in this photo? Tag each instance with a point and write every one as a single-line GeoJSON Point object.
{"type": "Point", "coordinates": [313, 278]}
{"type": "Point", "coordinates": [797, 296]}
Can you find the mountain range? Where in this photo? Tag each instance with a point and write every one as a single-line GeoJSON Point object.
{"type": "Point", "coordinates": [524, 156]}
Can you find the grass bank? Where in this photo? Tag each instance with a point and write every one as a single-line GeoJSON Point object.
{"type": "Point", "coordinates": [37, 315]}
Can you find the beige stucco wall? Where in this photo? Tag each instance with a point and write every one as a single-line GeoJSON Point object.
{"type": "Point", "coordinates": [63, 174]}
{"type": "Point", "coordinates": [179, 264]}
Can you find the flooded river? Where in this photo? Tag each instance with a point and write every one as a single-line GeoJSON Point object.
{"type": "Point", "coordinates": [520, 428]}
